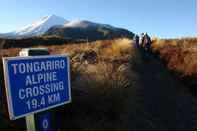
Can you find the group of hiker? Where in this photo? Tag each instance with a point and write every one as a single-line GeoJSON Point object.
{"type": "Point", "coordinates": [143, 42]}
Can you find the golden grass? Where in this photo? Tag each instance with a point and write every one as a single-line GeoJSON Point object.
{"type": "Point", "coordinates": [100, 83]}
{"type": "Point", "coordinates": [120, 47]}
{"type": "Point", "coordinates": [180, 54]}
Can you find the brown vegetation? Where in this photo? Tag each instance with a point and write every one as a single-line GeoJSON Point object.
{"type": "Point", "coordinates": [180, 56]}
{"type": "Point", "coordinates": [101, 84]}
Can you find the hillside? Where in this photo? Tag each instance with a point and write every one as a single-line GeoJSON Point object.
{"type": "Point", "coordinates": [55, 30]}
{"type": "Point", "coordinates": [47, 40]}
{"type": "Point", "coordinates": [179, 55]}
{"type": "Point", "coordinates": [100, 85]}
{"type": "Point", "coordinates": [56, 26]}
{"type": "Point", "coordinates": [117, 87]}
{"type": "Point", "coordinates": [86, 30]}
{"type": "Point", "coordinates": [35, 41]}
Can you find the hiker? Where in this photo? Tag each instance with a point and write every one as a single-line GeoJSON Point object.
{"type": "Point", "coordinates": [136, 41]}
{"type": "Point", "coordinates": [141, 40]}
{"type": "Point", "coordinates": [146, 42]}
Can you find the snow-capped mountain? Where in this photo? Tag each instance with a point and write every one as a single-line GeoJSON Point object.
{"type": "Point", "coordinates": [53, 25]}
{"type": "Point", "coordinates": [55, 30]}
{"type": "Point", "coordinates": [37, 28]}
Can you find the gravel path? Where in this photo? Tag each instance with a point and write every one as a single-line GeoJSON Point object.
{"type": "Point", "coordinates": [162, 102]}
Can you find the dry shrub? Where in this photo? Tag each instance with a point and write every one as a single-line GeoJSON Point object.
{"type": "Point", "coordinates": [105, 76]}
{"type": "Point", "coordinates": [10, 52]}
{"type": "Point", "coordinates": [102, 87]}
{"type": "Point", "coordinates": [100, 90]}
{"type": "Point", "coordinates": [119, 48]}
{"type": "Point", "coordinates": [191, 64]}
{"type": "Point", "coordinates": [179, 54]}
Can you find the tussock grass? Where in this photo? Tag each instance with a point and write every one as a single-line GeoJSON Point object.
{"type": "Point", "coordinates": [101, 84]}
{"type": "Point", "coordinates": [180, 54]}
{"type": "Point", "coordinates": [101, 88]}
{"type": "Point", "coordinates": [119, 48]}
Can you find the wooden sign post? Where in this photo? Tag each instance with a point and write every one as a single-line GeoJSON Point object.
{"type": "Point", "coordinates": [30, 123]}
{"type": "Point", "coordinates": [30, 120]}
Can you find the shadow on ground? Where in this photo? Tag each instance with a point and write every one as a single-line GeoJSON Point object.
{"type": "Point", "coordinates": [162, 102]}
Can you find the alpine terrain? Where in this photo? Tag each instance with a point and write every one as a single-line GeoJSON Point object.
{"type": "Point", "coordinates": [36, 28]}
{"type": "Point", "coordinates": [53, 25]}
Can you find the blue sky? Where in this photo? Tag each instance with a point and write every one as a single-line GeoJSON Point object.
{"type": "Point", "coordinates": [162, 18]}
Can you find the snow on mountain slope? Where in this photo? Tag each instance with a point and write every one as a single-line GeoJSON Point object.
{"type": "Point", "coordinates": [84, 24]}
{"type": "Point", "coordinates": [43, 25]}
{"type": "Point", "coordinates": [79, 24]}
{"type": "Point", "coordinates": [39, 27]}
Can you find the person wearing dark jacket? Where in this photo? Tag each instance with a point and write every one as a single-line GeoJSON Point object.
{"type": "Point", "coordinates": [147, 42]}
{"type": "Point", "coordinates": [136, 41]}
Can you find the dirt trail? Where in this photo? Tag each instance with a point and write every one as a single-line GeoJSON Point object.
{"type": "Point", "coordinates": [161, 103]}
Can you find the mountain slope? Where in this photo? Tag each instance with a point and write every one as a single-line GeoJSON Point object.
{"type": "Point", "coordinates": [84, 24]}
{"type": "Point", "coordinates": [88, 30]}
{"type": "Point", "coordinates": [37, 28]}
{"type": "Point", "coordinates": [78, 30]}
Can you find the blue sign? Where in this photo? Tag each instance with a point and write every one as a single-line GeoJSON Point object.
{"type": "Point", "coordinates": [44, 122]}
{"type": "Point", "coordinates": [35, 84]}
